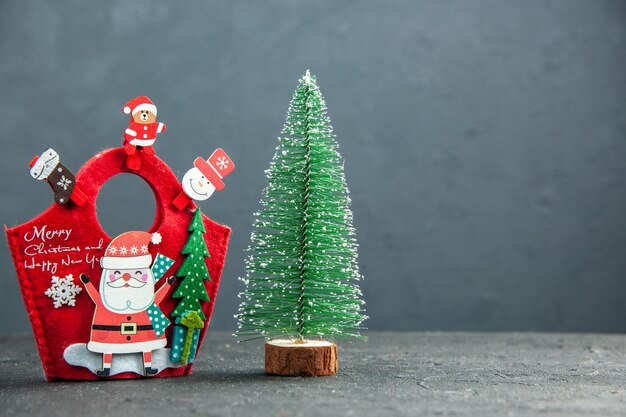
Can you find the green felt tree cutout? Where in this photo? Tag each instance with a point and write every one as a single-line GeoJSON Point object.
{"type": "Point", "coordinates": [194, 271]}
{"type": "Point", "coordinates": [302, 272]}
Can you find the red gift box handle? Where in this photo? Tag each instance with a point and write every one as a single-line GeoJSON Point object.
{"type": "Point", "coordinates": [106, 164]}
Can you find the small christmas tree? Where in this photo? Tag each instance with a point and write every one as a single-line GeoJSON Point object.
{"type": "Point", "coordinates": [301, 273]}
{"type": "Point", "coordinates": [194, 270]}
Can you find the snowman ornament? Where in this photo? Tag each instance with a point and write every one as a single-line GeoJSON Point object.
{"type": "Point", "coordinates": [201, 181]}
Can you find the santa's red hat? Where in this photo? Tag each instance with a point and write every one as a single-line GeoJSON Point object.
{"type": "Point", "coordinates": [138, 104]}
{"type": "Point", "coordinates": [129, 251]}
{"type": "Point", "coordinates": [216, 167]}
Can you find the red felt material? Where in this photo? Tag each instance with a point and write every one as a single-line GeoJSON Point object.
{"type": "Point", "coordinates": [78, 196]}
{"type": "Point", "coordinates": [134, 160]}
{"type": "Point", "coordinates": [182, 201]}
{"type": "Point", "coordinates": [36, 256]}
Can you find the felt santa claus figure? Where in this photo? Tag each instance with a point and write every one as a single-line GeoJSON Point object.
{"type": "Point", "coordinates": [127, 318]}
{"type": "Point", "coordinates": [142, 130]}
{"type": "Point", "coordinates": [201, 181]}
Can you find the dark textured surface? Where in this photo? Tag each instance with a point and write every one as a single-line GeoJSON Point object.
{"type": "Point", "coordinates": [392, 374]}
{"type": "Point", "coordinates": [484, 140]}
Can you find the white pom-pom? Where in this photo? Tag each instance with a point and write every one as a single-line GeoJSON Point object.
{"type": "Point", "coordinates": [126, 110]}
{"type": "Point", "coordinates": [156, 238]}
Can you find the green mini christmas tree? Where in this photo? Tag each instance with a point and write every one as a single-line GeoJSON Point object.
{"type": "Point", "coordinates": [193, 270]}
{"type": "Point", "coordinates": [302, 272]}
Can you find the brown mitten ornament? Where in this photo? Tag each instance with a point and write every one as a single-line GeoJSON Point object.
{"type": "Point", "coordinates": [48, 167]}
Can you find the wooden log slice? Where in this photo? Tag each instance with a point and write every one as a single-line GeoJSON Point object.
{"type": "Point", "coordinates": [311, 358]}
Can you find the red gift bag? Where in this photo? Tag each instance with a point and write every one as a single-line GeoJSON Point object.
{"type": "Point", "coordinates": [68, 240]}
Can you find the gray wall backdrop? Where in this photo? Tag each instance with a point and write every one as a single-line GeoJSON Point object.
{"type": "Point", "coordinates": [485, 141]}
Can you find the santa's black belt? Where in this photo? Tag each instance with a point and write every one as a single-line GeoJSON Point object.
{"type": "Point", "coordinates": [125, 328]}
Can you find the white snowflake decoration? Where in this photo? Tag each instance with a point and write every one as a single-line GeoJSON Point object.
{"type": "Point", "coordinates": [222, 162]}
{"type": "Point", "coordinates": [156, 238]}
{"type": "Point", "coordinates": [63, 291]}
{"type": "Point", "coordinates": [64, 182]}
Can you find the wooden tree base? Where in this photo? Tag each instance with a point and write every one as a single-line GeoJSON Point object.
{"type": "Point", "coordinates": [312, 358]}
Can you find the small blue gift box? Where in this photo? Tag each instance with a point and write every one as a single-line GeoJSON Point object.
{"type": "Point", "coordinates": [186, 332]}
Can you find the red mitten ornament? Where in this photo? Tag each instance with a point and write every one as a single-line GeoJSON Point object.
{"type": "Point", "coordinates": [102, 307]}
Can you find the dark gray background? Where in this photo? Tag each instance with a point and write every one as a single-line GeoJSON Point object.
{"type": "Point", "coordinates": [485, 141]}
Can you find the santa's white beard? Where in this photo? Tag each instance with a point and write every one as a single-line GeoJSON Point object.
{"type": "Point", "coordinates": [126, 299]}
